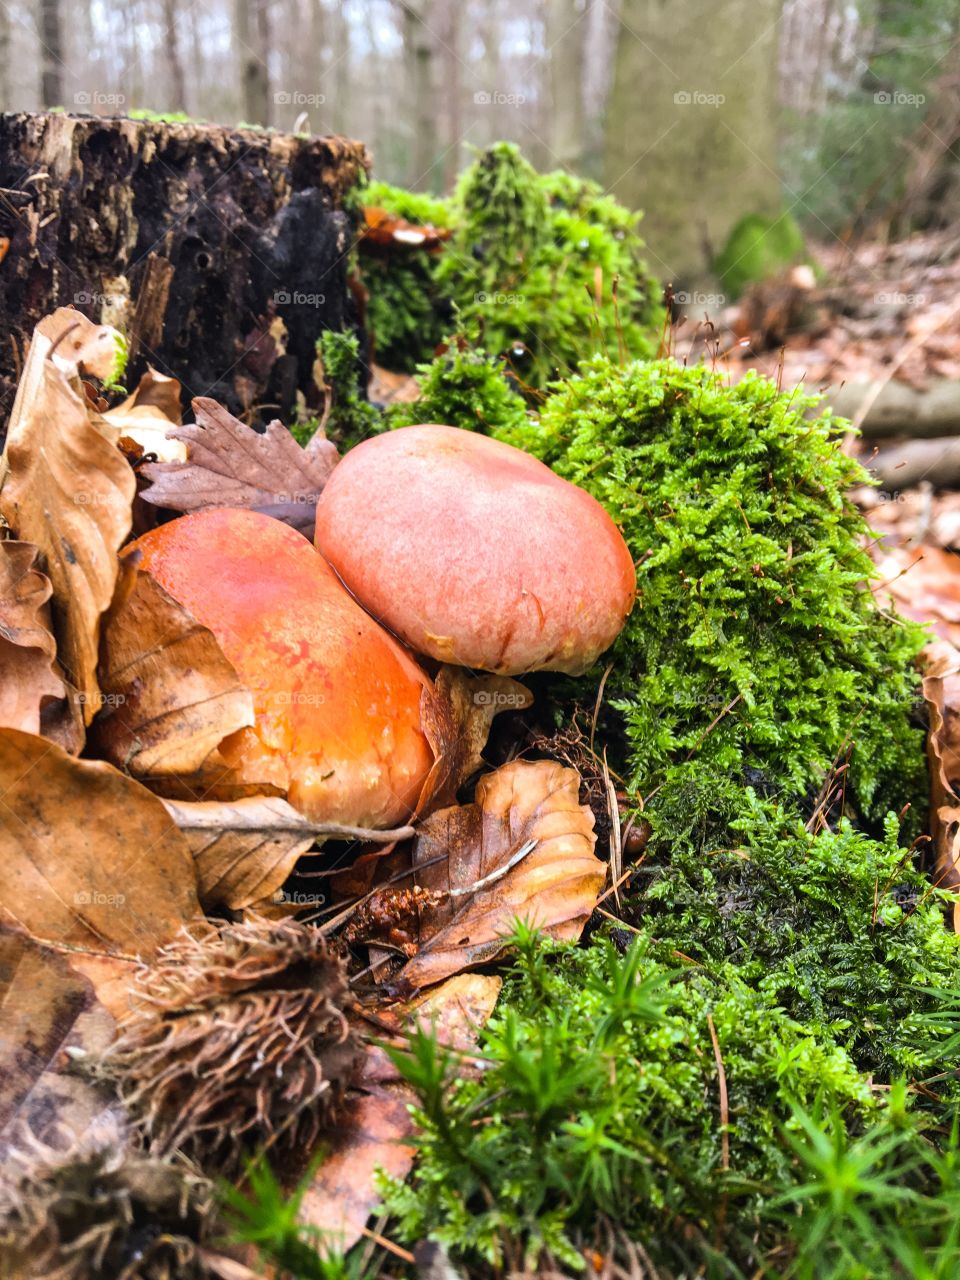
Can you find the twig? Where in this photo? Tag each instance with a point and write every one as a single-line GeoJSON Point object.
{"type": "Point", "coordinates": [724, 1101]}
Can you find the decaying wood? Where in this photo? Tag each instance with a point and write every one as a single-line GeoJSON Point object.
{"type": "Point", "coordinates": [222, 252]}
{"type": "Point", "coordinates": [899, 409]}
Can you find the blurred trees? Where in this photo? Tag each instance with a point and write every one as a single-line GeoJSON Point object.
{"type": "Point", "coordinates": [843, 110]}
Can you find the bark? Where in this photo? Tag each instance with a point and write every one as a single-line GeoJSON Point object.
{"type": "Point", "coordinates": [5, 86]}
{"type": "Point", "coordinates": [223, 252]}
{"type": "Point", "coordinates": [51, 54]}
{"type": "Point", "coordinates": [691, 124]}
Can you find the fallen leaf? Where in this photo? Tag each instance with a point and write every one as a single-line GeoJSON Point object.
{"type": "Point", "coordinates": [372, 1133]}
{"type": "Point", "coordinates": [231, 465]}
{"type": "Point", "coordinates": [27, 647]}
{"type": "Point", "coordinates": [457, 719]}
{"type": "Point", "coordinates": [170, 696]}
{"type": "Point", "coordinates": [389, 231]}
{"type": "Point", "coordinates": [245, 849]}
{"type": "Point", "coordinates": [68, 489]}
{"type": "Point", "coordinates": [50, 1017]}
{"type": "Point", "coordinates": [148, 414]}
{"type": "Point", "coordinates": [94, 866]}
{"type": "Point", "coordinates": [472, 859]}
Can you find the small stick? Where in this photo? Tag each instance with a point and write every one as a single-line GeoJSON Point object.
{"type": "Point", "coordinates": [724, 1101]}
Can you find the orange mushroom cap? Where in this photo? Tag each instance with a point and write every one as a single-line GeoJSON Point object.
{"type": "Point", "coordinates": [476, 553]}
{"type": "Point", "coordinates": [336, 699]}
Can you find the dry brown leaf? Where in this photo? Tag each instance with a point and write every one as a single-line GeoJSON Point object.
{"type": "Point", "coordinates": [94, 866]}
{"type": "Point", "coordinates": [50, 1016]}
{"type": "Point", "coordinates": [246, 848]}
{"type": "Point", "coordinates": [371, 1134]}
{"type": "Point", "coordinates": [27, 647]}
{"type": "Point", "coordinates": [457, 718]}
{"type": "Point", "coordinates": [68, 489]}
{"type": "Point", "coordinates": [148, 414]}
{"type": "Point", "coordinates": [170, 695]}
{"type": "Point", "coordinates": [554, 886]}
{"type": "Point", "coordinates": [231, 465]}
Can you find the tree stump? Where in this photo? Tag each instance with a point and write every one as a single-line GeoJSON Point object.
{"type": "Point", "coordinates": [222, 254]}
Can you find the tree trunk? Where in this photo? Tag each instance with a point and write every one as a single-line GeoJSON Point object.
{"type": "Point", "coordinates": [420, 83]}
{"type": "Point", "coordinates": [253, 38]}
{"type": "Point", "coordinates": [223, 254]}
{"type": "Point", "coordinates": [691, 124]}
{"type": "Point", "coordinates": [51, 56]}
{"type": "Point", "coordinates": [566, 32]}
{"type": "Point", "coordinates": [178, 82]}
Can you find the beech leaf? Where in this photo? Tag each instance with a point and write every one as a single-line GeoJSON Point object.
{"type": "Point", "coordinates": [231, 465]}
{"type": "Point", "coordinates": [170, 695]}
{"type": "Point", "coordinates": [51, 1015]}
{"type": "Point", "coordinates": [148, 414]}
{"type": "Point", "coordinates": [372, 1131]}
{"type": "Point", "coordinates": [523, 806]}
{"type": "Point", "coordinates": [68, 489]}
{"type": "Point", "coordinates": [27, 647]}
{"type": "Point", "coordinates": [94, 866]}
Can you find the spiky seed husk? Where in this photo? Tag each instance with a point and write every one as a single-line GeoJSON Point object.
{"type": "Point", "coordinates": [101, 1212]}
{"type": "Point", "coordinates": [239, 1041]}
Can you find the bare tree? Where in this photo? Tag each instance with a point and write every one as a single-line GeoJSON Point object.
{"type": "Point", "coordinates": [253, 37]}
{"type": "Point", "coordinates": [419, 74]}
{"type": "Point", "coordinates": [51, 56]}
{"type": "Point", "coordinates": [566, 29]}
{"type": "Point", "coordinates": [178, 82]}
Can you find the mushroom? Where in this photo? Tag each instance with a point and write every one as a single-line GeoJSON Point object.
{"type": "Point", "coordinates": [475, 553]}
{"type": "Point", "coordinates": [336, 699]}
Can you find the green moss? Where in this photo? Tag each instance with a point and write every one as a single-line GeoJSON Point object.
{"type": "Point", "coordinates": [600, 1095]}
{"type": "Point", "coordinates": [406, 309]}
{"type": "Point", "coordinates": [464, 387]}
{"type": "Point", "coordinates": [352, 417]}
{"type": "Point", "coordinates": [755, 653]}
{"type": "Point", "coordinates": [530, 268]}
{"type": "Point", "coordinates": [758, 247]}
{"type": "Point", "coordinates": [532, 265]}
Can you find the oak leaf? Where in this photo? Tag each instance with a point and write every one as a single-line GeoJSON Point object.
{"type": "Point", "coordinates": [231, 465]}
